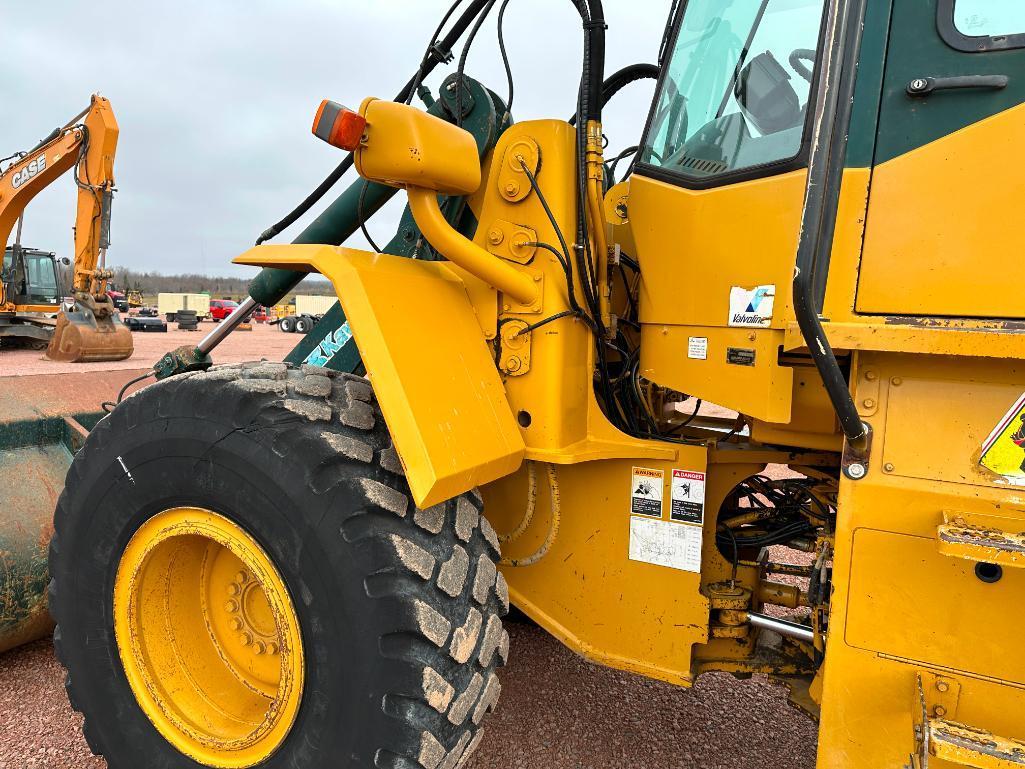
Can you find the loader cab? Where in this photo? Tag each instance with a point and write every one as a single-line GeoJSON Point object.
{"type": "Point", "coordinates": [921, 235]}
{"type": "Point", "coordinates": [716, 201]}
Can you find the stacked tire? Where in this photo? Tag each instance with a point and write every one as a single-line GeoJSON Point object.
{"type": "Point", "coordinates": [188, 320]}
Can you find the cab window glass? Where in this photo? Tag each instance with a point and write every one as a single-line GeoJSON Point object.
{"type": "Point", "coordinates": [41, 279]}
{"type": "Point", "coordinates": [736, 92]}
{"type": "Point", "coordinates": [989, 18]}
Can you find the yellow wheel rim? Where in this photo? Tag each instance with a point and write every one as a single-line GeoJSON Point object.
{"type": "Point", "coordinates": [208, 638]}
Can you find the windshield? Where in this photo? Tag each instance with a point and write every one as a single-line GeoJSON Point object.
{"type": "Point", "coordinates": [737, 87]}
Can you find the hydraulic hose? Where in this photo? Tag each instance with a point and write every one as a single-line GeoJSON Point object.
{"type": "Point", "coordinates": [435, 57]}
{"type": "Point", "coordinates": [617, 81]}
{"type": "Point", "coordinates": [553, 526]}
{"type": "Point", "coordinates": [825, 175]}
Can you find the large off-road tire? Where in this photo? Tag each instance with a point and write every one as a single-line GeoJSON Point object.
{"type": "Point", "coordinates": [385, 618]}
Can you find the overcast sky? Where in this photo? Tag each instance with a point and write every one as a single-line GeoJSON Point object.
{"type": "Point", "coordinates": [215, 99]}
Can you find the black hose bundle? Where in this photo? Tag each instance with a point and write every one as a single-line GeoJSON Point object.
{"type": "Point", "coordinates": [438, 52]}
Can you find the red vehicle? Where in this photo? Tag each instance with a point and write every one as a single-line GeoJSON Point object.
{"type": "Point", "coordinates": [221, 309]}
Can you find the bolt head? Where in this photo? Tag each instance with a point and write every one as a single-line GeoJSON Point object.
{"type": "Point", "coordinates": [512, 188]}
{"type": "Point", "coordinates": [514, 364]}
{"type": "Point", "coordinates": [888, 467]}
{"type": "Point", "coordinates": [236, 624]}
{"type": "Point", "coordinates": [231, 606]}
{"type": "Point", "coordinates": [869, 403]}
{"type": "Point", "coordinates": [896, 381]}
{"type": "Point", "coordinates": [918, 84]}
{"type": "Point", "coordinates": [259, 647]}
{"type": "Point", "coordinates": [942, 686]}
{"type": "Point", "coordinates": [871, 376]}
{"type": "Point", "coordinates": [940, 711]}
{"type": "Point", "coordinates": [495, 237]}
{"type": "Point", "coordinates": [856, 471]}
{"type": "Point", "coordinates": [245, 639]}
{"type": "Point", "coordinates": [272, 648]}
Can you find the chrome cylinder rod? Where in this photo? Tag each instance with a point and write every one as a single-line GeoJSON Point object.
{"type": "Point", "coordinates": [226, 326]}
{"type": "Point", "coordinates": [791, 629]}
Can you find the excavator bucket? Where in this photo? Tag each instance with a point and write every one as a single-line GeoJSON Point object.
{"type": "Point", "coordinates": [82, 337]}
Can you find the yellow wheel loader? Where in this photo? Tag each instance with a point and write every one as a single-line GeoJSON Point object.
{"type": "Point", "coordinates": [90, 329]}
{"type": "Point", "coordinates": [305, 564]}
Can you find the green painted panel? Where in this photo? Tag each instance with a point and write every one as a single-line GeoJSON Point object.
{"type": "Point", "coordinates": [861, 141]}
{"type": "Point", "coordinates": [916, 50]}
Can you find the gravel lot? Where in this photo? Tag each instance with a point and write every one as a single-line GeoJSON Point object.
{"type": "Point", "coordinates": [557, 712]}
{"type": "Point", "coordinates": [262, 342]}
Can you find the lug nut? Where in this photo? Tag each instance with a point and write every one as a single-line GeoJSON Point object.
{"type": "Point", "coordinates": [231, 606]}
{"type": "Point", "coordinates": [242, 577]}
{"type": "Point", "coordinates": [272, 648]}
{"type": "Point", "coordinates": [236, 624]}
{"type": "Point", "coordinates": [245, 639]}
{"type": "Point", "coordinates": [260, 647]}
{"type": "Point", "coordinates": [234, 589]}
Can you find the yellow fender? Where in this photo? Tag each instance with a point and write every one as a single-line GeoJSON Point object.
{"type": "Point", "coordinates": [426, 356]}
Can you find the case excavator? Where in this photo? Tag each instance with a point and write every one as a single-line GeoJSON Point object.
{"type": "Point", "coordinates": [89, 329]}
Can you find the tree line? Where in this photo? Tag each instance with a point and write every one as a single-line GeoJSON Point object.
{"type": "Point", "coordinates": [153, 283]}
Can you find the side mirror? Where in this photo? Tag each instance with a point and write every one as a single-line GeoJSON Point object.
{"type": "Point", "coordinates": [405, 147]}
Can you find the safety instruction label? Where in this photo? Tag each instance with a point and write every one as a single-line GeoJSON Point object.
{"type": "Point", "coordinates": [688, 497]}
{"type": "Point", "coordinates": [1003, 452]}
{"type": "Point", "coordinates": [697, 348]}
{"type": "Point", "coordinates": [663, 543]}
{"type": "Point", "coordinates": [752, 307]}
{"type": "Point", "coordinates": [646, 492]}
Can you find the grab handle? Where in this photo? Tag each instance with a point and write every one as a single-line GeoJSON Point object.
{"type": "Point", "coordinates": [923, 86]}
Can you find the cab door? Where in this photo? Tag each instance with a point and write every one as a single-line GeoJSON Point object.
{"type": "Point", "coordinates": [944, 234]}
{"type": "Point", "coordinates": [716, 200]}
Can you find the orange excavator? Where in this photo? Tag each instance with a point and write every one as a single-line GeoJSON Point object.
{"type": "Point", "coordinates": [90, 328]}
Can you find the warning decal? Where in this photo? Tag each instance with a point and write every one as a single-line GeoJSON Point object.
{"type": "Point", "coordinates": [688, 497]}
{"type": "Point", "coordinates": [646, 492]}
{"type": "Point", "coordinates": [662, 543]}
{"type": "Point", "coordinates": [1003, 452]}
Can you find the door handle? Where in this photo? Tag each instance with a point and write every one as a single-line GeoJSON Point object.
{"type": "Point", "coordinates": [923, 86]}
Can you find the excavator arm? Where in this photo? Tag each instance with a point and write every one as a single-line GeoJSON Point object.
{"type": "Point", "coordinates": [89, 331]}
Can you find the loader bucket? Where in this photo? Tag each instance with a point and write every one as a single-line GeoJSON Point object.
{"type": "Point", "coordinates": [81, 337]}
{"type": "Point", "coordinates": [43, 421]}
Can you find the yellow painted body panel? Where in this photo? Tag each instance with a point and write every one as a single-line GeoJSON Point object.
{"type": "Point", "coordinates": [933, 248]}
{"type": "Point", "coordinates": [586, 592]}
{"type": "Point", "coordinates": [903, 602]}
{"type": "Point", "coordinates": [694, 247]}
{"type": "Point", "coordinates": [405, 147]}
{"type": "Point", "coordinates": [438, 388]}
